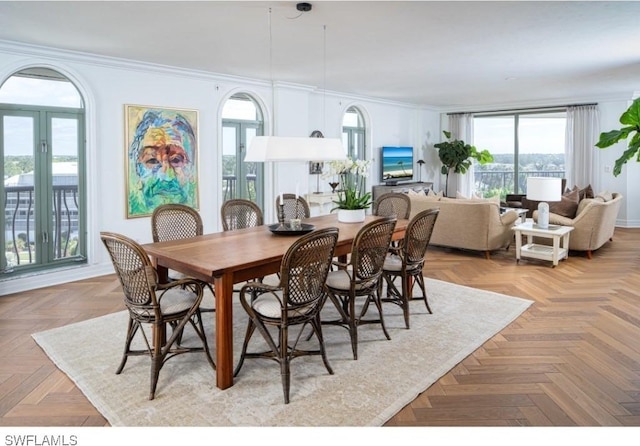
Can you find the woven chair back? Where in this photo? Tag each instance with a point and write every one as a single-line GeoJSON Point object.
{"type": "Point", "coordinates": [175, 222]}
{"type": "Point", "coordinates": [134, 269]}
{"type": "Point", "coordinates": [394, 203]}
{"type": "Point", "coordinates": [305, 267]}
{"type": "Point", "coordinates": [240, 213]}
{"type": "Point", "coordinates": [370, 248]}
{"type": "Point", "coordinates": [418, 235]}
{"type": "Point", "coordinates": [293, 208]}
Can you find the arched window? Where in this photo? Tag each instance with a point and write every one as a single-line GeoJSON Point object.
{"type": "Point", "coordinates": [42, 146]}
{"type": "Point", "coordinates": [242, 119]}
{"type": "Point", "coordinates": [353, 133]}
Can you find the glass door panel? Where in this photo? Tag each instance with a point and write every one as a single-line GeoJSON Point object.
{"type": "Point", "coordinates": [540, 146]}
{"type": "Point", "coordinates": [240, 179]}
{"type": "Point", "coordinates": [496, 134]}
{"type": "Point", "coordinates": [229, 161]}
{"type": "Point", "coordinates": [19, 216]}
{"type": "Point", "coordinates": [65, 209]}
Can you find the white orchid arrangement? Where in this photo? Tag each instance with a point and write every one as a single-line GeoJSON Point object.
{"type": "Point", "coordinates": [353, 174]}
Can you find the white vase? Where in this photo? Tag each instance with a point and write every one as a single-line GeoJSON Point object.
{"type": "Point", "coordinates": [351, 215]}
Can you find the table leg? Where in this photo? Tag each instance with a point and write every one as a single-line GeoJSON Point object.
{"type": "Point", "coordinates": [556, 250]}
{"type": "Point", "coordinates": [518, 245]}
{"type": "Point", "coordinates": [224, 330]}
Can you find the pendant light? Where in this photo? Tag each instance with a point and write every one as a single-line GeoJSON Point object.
{"type": "Point", "coordinates": [284, 148]}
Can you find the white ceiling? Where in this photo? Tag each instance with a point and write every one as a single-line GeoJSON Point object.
{"type": "Point", "coordinates": [442, 54]}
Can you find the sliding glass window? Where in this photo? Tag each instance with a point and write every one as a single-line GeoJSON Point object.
{"type": "Point", "coordinates": [522, 144]}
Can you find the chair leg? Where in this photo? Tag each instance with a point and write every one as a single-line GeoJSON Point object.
{"type": "Point", "coordinates": [378, 304]}
{"type": "Point", "coordinates": [405, 297]}
{"type": "Point", "coordinates": [423, 288]}
{"type": "Point", "coordinates": [353, 327]}
{"type": "Point", "coordinates": [317, 328]}
{"type": "Point", "coordinates": [157, 357]}
{"type": "Point", "coordinates": [132, 328]}
{"type": "Point", "coordinates": [283, 359]}
{"type": "Point", "coordinates": [199, 329]}
{"type": "Point", "coordinates": [250, 329]}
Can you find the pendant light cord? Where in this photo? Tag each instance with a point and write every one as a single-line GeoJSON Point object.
{"type": "Point", "coordinates": [273, 94]}
{"type": "Point", "coordinates": [324, 76]}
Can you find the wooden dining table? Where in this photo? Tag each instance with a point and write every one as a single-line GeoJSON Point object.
{"type": "Point", "coordinates": [230, 257]}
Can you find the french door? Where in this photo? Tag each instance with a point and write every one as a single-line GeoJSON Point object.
{"type": "Point", "coordinates": [241, 179]}
{"type": "Point", "coordinates": [43, 190]}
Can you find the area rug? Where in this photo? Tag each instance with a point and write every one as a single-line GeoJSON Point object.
{"type": "Point", "coordinates": [388, 374]}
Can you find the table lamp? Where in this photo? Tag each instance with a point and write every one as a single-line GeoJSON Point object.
{"type": "Point", "coordinates": [544, 189]}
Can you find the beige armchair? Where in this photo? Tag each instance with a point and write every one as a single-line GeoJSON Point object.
{"type": "Point", "coordinates": [594, 223]}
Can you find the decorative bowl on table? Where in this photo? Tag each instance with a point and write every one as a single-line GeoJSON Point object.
{"type": "Point", "coordinates": [285, 229]}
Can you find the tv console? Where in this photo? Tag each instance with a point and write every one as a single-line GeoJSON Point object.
{"type": "Point", "coordinates": [399, 187]}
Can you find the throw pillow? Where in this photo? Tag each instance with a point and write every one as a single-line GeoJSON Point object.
{"type": "Point", "coordinates": [606, 195]}
{"type": "Point", "coordinates": [433, 194]}
{"type": "Point", "coordinates": [568, 205]}
{"type": "Point", "coordinates": [423, 197]}
{"type": "Point", "coordinates": [412, 192]}
{"type": "Point", "coordinates": [587, 192]}
{"type": "Point", "coordinates": [459, 196]}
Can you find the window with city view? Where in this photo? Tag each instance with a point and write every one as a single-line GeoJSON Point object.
{"type": "Point", "coordinates": [42, 135]}
{"type": "Point", "coordinates": [522, 144]}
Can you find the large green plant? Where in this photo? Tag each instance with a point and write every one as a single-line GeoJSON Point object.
{"type": "Point", "coordinates": [631, 119]}
{"type": "Point", "coordinates": [457, 156]}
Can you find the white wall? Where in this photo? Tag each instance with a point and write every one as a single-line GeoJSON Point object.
{"type": "Point", "coordinates": [107, 85]}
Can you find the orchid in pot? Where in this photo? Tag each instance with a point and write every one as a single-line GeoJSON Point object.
{"type": "Point", "coordinates": [353, 196]}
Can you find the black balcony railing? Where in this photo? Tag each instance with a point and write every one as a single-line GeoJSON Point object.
{"type": "Point", "coordinates": [487, 181]}
{"type": "Point", "coordinates": [19, 223]}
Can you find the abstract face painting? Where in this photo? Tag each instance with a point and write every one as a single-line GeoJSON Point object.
{"type": "Point", "coordinates": [161, 158]}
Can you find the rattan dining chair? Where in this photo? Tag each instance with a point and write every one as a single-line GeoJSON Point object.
{"type": "Point", "coordinates": [174, 304]}
{"type": "Point", "coordinates": [361, 277]}
{"type": "Point", "coordinates": [408, 265]}
{"type": "Point", "coordinates": [240, 213]}
{"type": "Point", "coordinates": [176, 222]}
{"type": "Point", "coordinates": [295, 301]}
{"type": "Point", "coordinates": [393, 203]}
{"type": "Point", "coordinates": [293, 207]}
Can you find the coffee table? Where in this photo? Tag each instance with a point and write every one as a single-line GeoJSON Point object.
{"type": "Point", "coordinates": [557, 251]}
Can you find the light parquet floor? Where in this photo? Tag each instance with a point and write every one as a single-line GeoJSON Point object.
{"type": "Point", "coordinates": [572, 359]}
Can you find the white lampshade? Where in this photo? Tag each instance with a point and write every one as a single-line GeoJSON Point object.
{"type": "Point", "coordinates": [544, 188]}
{"type": "Point", "coordinates": [280, 148]}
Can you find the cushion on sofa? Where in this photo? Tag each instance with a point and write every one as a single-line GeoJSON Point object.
{"type": "Point", "coordinates": [587, 192]}
{"type": "Point", "coordinates": [568, 205]}
{"type": "Point", "coordinates": [606, 195]}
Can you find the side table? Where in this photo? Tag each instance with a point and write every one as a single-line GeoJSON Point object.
{"type": "Point", "coordinates": [321, 200]}
{"type": "Point", "coordinates": [557, 251]}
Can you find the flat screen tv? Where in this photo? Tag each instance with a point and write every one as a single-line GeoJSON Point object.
{"type": "Point", "coordinates": [397, 164]}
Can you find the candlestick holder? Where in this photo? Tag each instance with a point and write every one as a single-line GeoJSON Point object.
{"type": "Point", "coordinates": [282, 226]}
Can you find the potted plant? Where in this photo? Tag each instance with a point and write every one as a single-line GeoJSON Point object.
{"type": "Point", "coordinates": [353, 198]}
{"type": "Point", "coordinates": [631, 120]}
{"type": "Point", "coordinates": [456, 155]}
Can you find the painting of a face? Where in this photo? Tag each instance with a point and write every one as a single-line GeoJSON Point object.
{"type": "Point", "coordinates": [161, 156]}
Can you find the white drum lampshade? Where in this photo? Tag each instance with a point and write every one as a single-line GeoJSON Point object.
{"type": "Point", "coordinates": [544, 189]}
{"type": "Point", "coordinates": [280, 148]}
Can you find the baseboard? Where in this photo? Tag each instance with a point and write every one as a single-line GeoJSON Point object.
{"type": "Point", "coordinates": [55, 277]}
